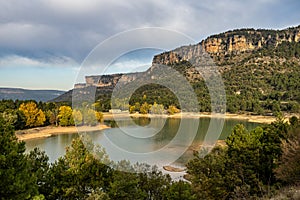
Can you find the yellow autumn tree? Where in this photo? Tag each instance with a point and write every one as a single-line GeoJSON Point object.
{"type": "Point", "coordinates": [34, 116]}
{"type": "Point", "coordinates": [173, 109]}
{"type": "Point", "coordinates": [65, 116]}
{"type": "Point", "coordinates": [99, 116]}
{"type": "Point", "coordinates": [145, 107]}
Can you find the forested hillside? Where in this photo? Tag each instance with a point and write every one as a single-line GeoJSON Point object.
{"type": "Point", "coordinates": [260, 70]}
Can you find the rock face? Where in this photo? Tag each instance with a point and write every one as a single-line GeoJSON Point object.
{"type": "Point", "coordinates": [231, 42]}
{"type": "Point", "coordinates": [108, 80]}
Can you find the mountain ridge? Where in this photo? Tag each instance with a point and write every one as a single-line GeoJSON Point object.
{"type": "Point", "coordinates": [29, 94]}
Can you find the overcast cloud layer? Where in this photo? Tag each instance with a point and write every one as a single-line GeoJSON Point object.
{"type": "Point", "coordinates": [61, 33]}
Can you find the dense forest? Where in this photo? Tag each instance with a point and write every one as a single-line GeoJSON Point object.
{"type": "Point", "coordinates": [254, 164]}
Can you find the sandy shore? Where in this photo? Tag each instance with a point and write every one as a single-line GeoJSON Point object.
{"type": "Point", "coordinates": [247, 117]}
{"type": "Point", "coordinates": [48, 131]}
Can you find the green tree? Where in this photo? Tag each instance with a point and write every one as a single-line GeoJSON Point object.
{"type": "Point", "coordinates": [244, 168]}
{"type": "Point", "coordinates": [34, 116]}
{"type": "Point", "coordinates": [152, 182]}
{"type": "Point", "coordinates": [271, 151]}
{"type": "Point", "coordinates": [39, 166]}
{"type": "Point", "coordinates": [125, 186]}
{"type": "Point", "coordinates": [77, 174]}
{"type": "Point", "coordinates": [209, 175]}
{"type": "Point", "coordinates": [244, 151]}
{"type": "Point", "coordinates": [17, 181]}
{"type": "Point", "coordinates": [21, 120]}
{"type": "Point", "coordinates": [180, 190]}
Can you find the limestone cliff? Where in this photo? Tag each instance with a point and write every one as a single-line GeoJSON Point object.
{"type": "Point", "coordinates": [231, 42]}
{"type": "Point", "coordinates": [109, 80]}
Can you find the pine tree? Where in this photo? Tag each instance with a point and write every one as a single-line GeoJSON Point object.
{"type": "Point", "coordinates": [17, 181]}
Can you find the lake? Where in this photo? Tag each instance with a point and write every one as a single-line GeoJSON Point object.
{"type": "Point", "coordinates": [159, 141]}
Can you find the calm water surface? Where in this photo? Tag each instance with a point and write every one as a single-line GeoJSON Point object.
{"type": "Point", "coordinates": [155, 140]}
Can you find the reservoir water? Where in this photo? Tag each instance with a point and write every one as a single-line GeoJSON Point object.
{"type": "Point", "coordinates": [158, 141]}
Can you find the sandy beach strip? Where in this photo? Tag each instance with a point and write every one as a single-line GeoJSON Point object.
{"type": "Point", "coordinates": [48, 131]}
{"type": "Point", "coordinates": [247, 117]}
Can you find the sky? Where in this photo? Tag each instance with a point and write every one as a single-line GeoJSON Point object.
{"type": "Point", "coordinates": [43, 43]}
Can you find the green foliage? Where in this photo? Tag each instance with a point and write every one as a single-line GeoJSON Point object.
{"type": "Point", "coordinates": [17, 180]}
{"type": "Point", "coordinates": [124, 186]}
{"type": "Point", "coordinates": [244, 168]}
{"type": "Point", "coordinates": [138, 182]}
{"type": "Point", "coordinates": [21, 120]}
{"type": "Point", "coordinates": [244, 151]}
{"type": "Point", "coordinates": [76, 174]}
{"type": "Point", "coordinates": [180, 190]}
{"type": "Point", "coordinates": [209, 175]}
{"type": "Point", "coordinates": [39, 166]}
{"type": "Point", "coordinates": [151, 93]}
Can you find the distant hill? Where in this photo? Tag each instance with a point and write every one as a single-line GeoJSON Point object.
{"type": "Point", "coordinates": [24, 94]}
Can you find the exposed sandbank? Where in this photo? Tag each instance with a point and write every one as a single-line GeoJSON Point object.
{"type": "Point", "coordinates": [48, 131]}
{"type": "Point", "coordinates": [247, 117]}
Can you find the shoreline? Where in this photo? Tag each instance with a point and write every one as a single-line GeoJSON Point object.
{"type": "Point", "coordinates": [250, 118]}
{"type": "Point", "coordinates": [48, 131]}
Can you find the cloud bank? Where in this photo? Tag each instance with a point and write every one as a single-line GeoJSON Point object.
{"type": "Point", "coordinates": [55, 33]}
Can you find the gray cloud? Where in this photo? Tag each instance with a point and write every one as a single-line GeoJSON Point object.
{"type": "Point", "coordinates": [40, 29]}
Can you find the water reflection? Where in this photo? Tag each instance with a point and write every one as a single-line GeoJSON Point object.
{"type": "Point", "coordinates": [177, 131]}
